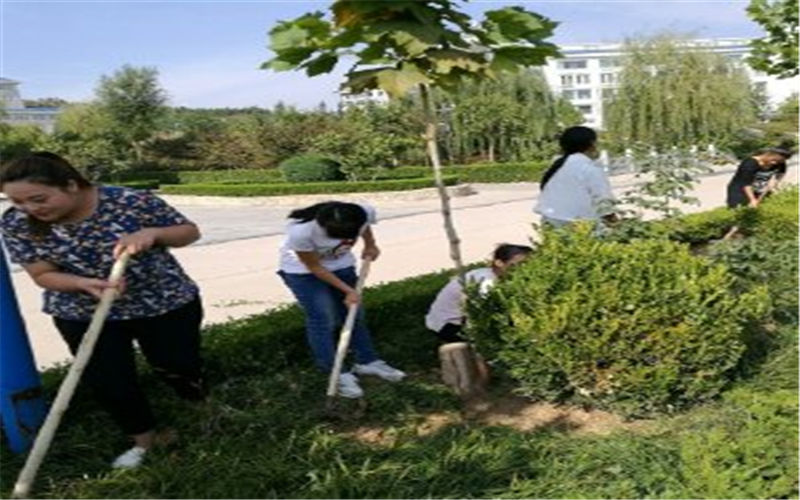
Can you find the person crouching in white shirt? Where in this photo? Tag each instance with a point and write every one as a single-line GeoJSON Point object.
{"type": "Point", "coordinates": [575, 188]}
{"type": "Point", "coordinates": [446, 315]}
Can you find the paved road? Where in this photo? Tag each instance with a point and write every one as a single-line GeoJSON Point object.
{"type": "Point", "coordinates": [235, 262]}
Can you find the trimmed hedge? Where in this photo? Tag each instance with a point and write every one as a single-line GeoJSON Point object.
{"type": "Point", "coordinates": [775, 218]}
{"type": "Point", "coordinates": [488, 172]}
{"type": "Point", "coordinates": [161, 176]}
{"type": "Point", "coordinates": [640, 327]}
{"type": "Point", "coordinates": [142, 184]}
{"type": "Point", "coordinates": [287, 188]}
{"type": "Point", "coordinates": [485, 172]}
{"type": "Point", "coordinates": [311, 167]}
{"type": "Point", "coordinates": [234, 176]}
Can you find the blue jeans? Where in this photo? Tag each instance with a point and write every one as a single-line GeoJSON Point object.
{"type": "Point", "coordinates": [325, 313]}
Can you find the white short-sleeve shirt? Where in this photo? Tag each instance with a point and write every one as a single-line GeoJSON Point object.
{"type": "Point", "coordinates": [448, 305]}
{"type": "Point", "coordinates": [576, 191]}
{"type": "Point", "coordinates": [334, 253]}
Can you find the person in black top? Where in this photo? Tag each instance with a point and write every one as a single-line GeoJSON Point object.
{"type": "Point", "coordinates": [756, 176]}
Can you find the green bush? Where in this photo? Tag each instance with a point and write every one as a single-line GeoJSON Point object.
{"type": "Point", "coordinates": [640, 327]}
{"type": "Point", "coordinates": [755, 261]}
{"type": "Point", "coordinates": [775, 218]}
{"type": "Point", "coordinates": [287, 188]}
{"type": "Point", "coordinates": [311, 168]}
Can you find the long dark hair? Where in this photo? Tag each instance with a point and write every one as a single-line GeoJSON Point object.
{"type": "Point", "coordinates": [573, 140]}
{"type": "Point", "coordinates": [44, 168]}
{"type": "Point", "coordinates": [339, 219]}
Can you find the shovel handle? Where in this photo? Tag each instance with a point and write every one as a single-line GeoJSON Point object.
{"type": "Point", "coordinates": [44, 438]}
{"type": "Point", "coordinates": [347, 331]}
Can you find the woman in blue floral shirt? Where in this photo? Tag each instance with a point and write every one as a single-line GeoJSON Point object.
{"type": "Point", "coordinates": [66, 233]}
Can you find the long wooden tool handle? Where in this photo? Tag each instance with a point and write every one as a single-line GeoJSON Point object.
{"type": "Point", "coordinates": [61, 403]}
{"type": "Point", "coordinates": [347, 330]}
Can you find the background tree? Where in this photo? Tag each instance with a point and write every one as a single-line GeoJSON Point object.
{"type": "Point", "coordinates": [45, 102]}
{"type": "Point", "coordinates": [779, 129]}
{"type": "Point", "coordinates": [514, 117]}
{"type": "Point", "coordinates": [367, 139]}
{"type": "Point", "coordinates": [134, 102]}
{"type": "Point", "coordinates": [401, 46]}
{"type": "Point", "coordinates": [671, 95]}
{"type": "Point", "coordinates": [16, 140]}
{"type": "Point", "coordinates": [84, 133]}
{"type": "Point", "coordinates": [776, 53]}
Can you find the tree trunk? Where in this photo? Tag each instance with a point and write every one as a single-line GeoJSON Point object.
{"type": "Point", "coordinates": [491, 149]}
{"type": "Point", "coordinates": [433, 154]}
{"type": "Point", "coordinates": [463, 370]}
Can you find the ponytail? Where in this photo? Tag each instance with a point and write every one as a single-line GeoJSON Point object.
{"type": "Point", "coordinates": [550, 172]}
{"type": "Point", "coordinates": [573, 140]}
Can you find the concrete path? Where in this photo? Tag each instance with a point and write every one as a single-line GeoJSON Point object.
{"type": "Point", "coordinates": [235, 262]}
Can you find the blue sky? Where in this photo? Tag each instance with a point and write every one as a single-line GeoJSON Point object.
{"type": "Point", "coordinates": [208, 52]}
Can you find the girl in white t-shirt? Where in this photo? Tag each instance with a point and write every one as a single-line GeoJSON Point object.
{"type": "Point", "coordinates": [446, 315]}
{"type": "Point", "coordinates": [318, 266]}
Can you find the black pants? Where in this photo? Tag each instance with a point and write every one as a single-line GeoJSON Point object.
{"type": "Point", "coordinates": [170, 343]}
{"type": "Point", "coordinates": [450, 333]}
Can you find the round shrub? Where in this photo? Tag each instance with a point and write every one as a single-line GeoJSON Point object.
{"type": "Point", "coordinates": [777, 216]}
{"type": "Point", "coordinates": [311, 168]}
{"type": "Point", "coordinates": [638, 327]}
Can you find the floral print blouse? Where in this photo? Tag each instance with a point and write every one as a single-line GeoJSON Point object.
{"type": "Point", "coordinates": [154, 281]}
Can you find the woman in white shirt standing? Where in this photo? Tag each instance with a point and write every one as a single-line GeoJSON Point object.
{"type": "Point", "coordinates": [575, 187]}
{"type": "Point", "coordinates": [318, 266]}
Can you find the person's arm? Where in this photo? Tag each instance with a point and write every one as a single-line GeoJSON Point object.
{"type": "Point", "coordinates": [144, 239]}
{"type": "Point", "coordinates": [751, 195]}
{"type": "Point", "coordinates": [600, 190]}
{"type": "Point", "coordinates": [371, 250]}
{"type": "Point", "coordinates": [50, 277]}
{"type": "Point", "coordinates": [312, 262]}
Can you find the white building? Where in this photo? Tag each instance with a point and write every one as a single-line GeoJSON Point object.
{"type": "Point", "coordinates": [14, 111]}
{"type": "Point", "coordinates": [375, 96]}
{"type": "Point", "coordinates": [588, 74]}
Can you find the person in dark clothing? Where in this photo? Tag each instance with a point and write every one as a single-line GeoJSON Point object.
{"type": "Point", "coordinates": [66, 232]}
{"type": "Point", "coordinates": [757, 176]}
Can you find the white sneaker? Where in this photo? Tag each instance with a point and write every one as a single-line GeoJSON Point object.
{"type": "Point", "coordinates": [130, 459]}
{"type": "Point", "coordinates": [348, 386]}
{"type": "Point", "coordinates": [381, 369]}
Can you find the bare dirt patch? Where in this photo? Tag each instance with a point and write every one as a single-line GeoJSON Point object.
{"type": "Point", "coordinates": [525, 415]}
{"type": "Point", "coordinates": [516, 412]}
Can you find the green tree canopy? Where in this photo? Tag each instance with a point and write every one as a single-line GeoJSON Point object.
{"type": "Point", "coordinates": [397, 45]}
{"type": "Point", "coordinates": [671, 94]}
{"type": "Point", "coordinates": [84, 133]}
{"type": "Point", "coordinates": [134, 102]}
{"type": "Point", "coordinates": [16, 140]}
{"type": "Point", "coordinates": [513, 117]}
{"type": "Point", "coordinates": [775, 53]}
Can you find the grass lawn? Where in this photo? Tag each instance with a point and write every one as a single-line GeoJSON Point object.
{"type": "Point", "coordinates": [263, 433]}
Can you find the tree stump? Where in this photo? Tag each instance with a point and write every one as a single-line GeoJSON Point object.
{"type": "Point", "coordinates": [464, 370]}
